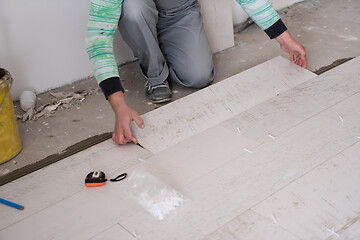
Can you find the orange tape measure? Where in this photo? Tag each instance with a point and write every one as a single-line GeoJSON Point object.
{"type": "Point", "coordinates": [97, 178]}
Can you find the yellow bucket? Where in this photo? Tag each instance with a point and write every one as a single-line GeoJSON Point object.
{"type": "Point", "coordinates": [10, 144]}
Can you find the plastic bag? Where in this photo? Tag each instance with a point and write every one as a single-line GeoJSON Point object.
{"type": "Point", "coordinates": [152, 194]}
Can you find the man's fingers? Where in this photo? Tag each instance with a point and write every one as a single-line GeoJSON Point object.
{"type": "Point", "coordinates": [124, 135]}
{"type": "Point", "coordinates": [139, 121]}
{"type": "Point", "coordinates": [122, 140]}
{"type": "Point", "coordinates": [304, 63]}
{"type": "Point", "coordinates": [124, 116]}
{"type": "Point", "coordinates": [291, 54]}
{"type": "Point", "coordinates": [301, 59]}
{"type": "Point", "coordinates": [127, 133]}
{"type": "Point", "coordinates": [119, 138]}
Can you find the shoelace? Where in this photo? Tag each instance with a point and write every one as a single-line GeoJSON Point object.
{"type": "Point", "coordinates": [149, 87]}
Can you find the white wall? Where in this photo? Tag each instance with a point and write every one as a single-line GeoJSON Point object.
{"type": "Point", "coordinates": [42, 41]}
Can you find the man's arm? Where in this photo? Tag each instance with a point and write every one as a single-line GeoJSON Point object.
{"type": "Point", "coordinates": [102, 23]}
{"type": "Point", "coordinates": [265, 16]}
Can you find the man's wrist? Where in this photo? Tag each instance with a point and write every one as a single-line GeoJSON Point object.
{"type": "Point", "coordinates": [110, 86]}
{"type": "Point", "coordinates": [117, 98]}
{"type": "Point", "coordinates": [276, 29]}
{"type": "Point", "coordinates": [117, 102]}
{"type": "Point", "coordinates": [284, 37]}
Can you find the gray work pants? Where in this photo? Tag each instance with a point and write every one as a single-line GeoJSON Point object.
{"type": "Point", "coordinates": [168, 38]}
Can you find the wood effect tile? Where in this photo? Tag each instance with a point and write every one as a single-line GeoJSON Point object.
{"type": "Point", "coordinates": [115, 232]}
{"type": "Point", "coordinates": [320, 204]}
{"type": "Point", "coordinates": [329, 88]}
{"type": "Point", "coordinates": [223, 194]}
{"type": "Point", "coordinates": [259, 84]}
{"type": "Point", "coordinates": [196, 156]}
{"type": "Point", "coordinates": [224, 189]}
{"type": "Point", "coordinates": [61, 180]}
{"type": "Point", "coordinates": [347, 112]}
{"type": "Point", "coordinates": [250, 226]}
{"type": "Point", "coordinates": [350, 231]}
{"type": "Point", "coordinates": [294, 106]}
{"type": "Point", "coordinates": [81, 216]}
{"type": "Point", "coordinates": [173, 123]}
{"type": "Point", "coordinates": [179, 120]}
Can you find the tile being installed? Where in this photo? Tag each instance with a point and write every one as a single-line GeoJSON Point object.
{"type": "Point", "coordinates": [329, 88]}
{"type": "Point", "coordinates": [251, 87]}
{"type": "Point", "coordinates": [197, 112]}
{"type": "Point", "coordinates": [278, 114]}
{"type": "Point", "coordinates": [174, 122]}
{"type": "Point", "coordinates": [323, 203]}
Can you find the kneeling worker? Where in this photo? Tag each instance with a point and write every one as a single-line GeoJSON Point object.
{"type": "Point", "coordinates": [168, 38]}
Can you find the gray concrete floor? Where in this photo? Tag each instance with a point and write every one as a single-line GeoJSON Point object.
{"type": "Point", "coordinates": [329, 30]}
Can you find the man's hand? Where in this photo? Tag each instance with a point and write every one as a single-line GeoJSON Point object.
{"type": "Point", "coordinates": [124, 116]}
{"type": "Point", "coordinates": [295, 50]}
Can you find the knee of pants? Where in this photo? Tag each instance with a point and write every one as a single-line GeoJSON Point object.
{"type": "Point", "coordinates": [134, 10]}
{"type": "Point", "coordinates": [196, 77]}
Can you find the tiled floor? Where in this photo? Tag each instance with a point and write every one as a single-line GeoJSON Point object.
{"type": "Point", "coordinates": [276, 165]}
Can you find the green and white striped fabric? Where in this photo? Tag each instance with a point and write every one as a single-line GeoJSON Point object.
{"type": "Point", "coordinates": [261, 11]}
{"type": "Point", "coordinates": [103, 21]}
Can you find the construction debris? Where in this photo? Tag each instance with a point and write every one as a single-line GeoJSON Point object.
{"type": "Point", "coordinates": [60, 100]}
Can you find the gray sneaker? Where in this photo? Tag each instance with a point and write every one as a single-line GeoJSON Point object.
{"type": "Point", "coordinates": [159, 93]}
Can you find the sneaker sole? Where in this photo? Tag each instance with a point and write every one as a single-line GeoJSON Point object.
{"type": "Point", "coordinates": [162, 100]}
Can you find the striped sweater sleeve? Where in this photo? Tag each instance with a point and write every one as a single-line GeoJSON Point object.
{"type": "Point", "coordinates": [264, 15]}
{"type": "Point", "coordinates": [102, 23]}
